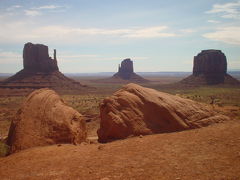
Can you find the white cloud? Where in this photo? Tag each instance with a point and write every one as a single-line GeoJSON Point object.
{"type": "Point", "coordinates": [213, 21]}
{"type": "Point", "coordinates": [32, 13]}
{"type": "Point", "coordinates": [228, 10]}
{"type": "Point", "coordinates": [13, 7]}
{"type": "Point", "coordinates": [31, 31]}
{"type": "Point", "coordinates": [35, 11]}
{"type": "Point", "coordinates": [149, 32]}
{"type": "Point", "coordinates": [48, 7]}
{"type": "Point", "coordinates": [187, 30]}
{"type": "Point", "coordinates": [229, 35]}
{"type": "Point", "coordinates": [9, 57]}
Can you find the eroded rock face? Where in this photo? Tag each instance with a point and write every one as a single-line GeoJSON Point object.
{"type": "Point", "coordinates": [125, 72]}
{"type": "Point", "coordinates": [210, 67]}
{"type": "Point", "coordinates": [126, 66]}
{"type": "Point", "coordinates": [44, 119]}
{"type": "Point", "coordinates": [212, 64]}
{"type": "Point", "coordinates": [135, 110]}
{"type": "Point", "coordinates": [210, 61]}
{"type": "Point", "coordinates": [40, 71]}
{"type": "Point", "coordinates": [36, 58]}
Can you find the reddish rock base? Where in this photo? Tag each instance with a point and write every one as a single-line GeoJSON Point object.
{"type": "Point", "coordinates": [44, 119]}
{"type": "Point", "coordinates": [135, 110]}
{"type": "Point", "coordinates": [35, 80]}
{"type": "Point", "coordinates": [209, 80]}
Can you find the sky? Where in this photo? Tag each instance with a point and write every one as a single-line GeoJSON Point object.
{"type": "Point", "coordinates": [96, 35]}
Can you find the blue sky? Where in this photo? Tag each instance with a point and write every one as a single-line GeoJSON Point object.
{"type": "Point", "coordinates": [95, 35]}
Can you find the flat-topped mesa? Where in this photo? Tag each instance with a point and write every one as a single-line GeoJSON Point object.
{"type": "Point", "coordinates": [210, 62]}
{"type": "Point", "coordinates": [126, 66]}
{"type": "Point", "coordinates": [210, 67]}
{"type": "Point", "coordinates": [126, 69]}
{"type": "Point", "coordinates": [39, 71]}
{"type": "Point", "coordinates": [125, 72]}
{"type": "Point", "coordinates": [37, 59]}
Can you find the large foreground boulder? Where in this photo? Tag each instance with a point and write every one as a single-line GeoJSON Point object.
{"type": "Point", "coordinates": [45, 119]}
{"type": "Point", "coordinates": [135, 110]}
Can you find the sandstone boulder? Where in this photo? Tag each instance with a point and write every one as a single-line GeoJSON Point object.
{"type": "Point", "coordinates": [135, 110]}
{"type": "Point", "coordinates": [45, 119]}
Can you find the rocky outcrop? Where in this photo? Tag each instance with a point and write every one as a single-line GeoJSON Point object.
{"type": "Point", "coordinates": [40, 71]}
{"type": "Point", "coordinates": [36, 58]}
{"type": "Point", "coordinates": [125, 72]}
{"type": "Point", "coordinates": [210, 67]}
{"type": "Point", "coordinates": [125, 69]}
{"type": "Point", "coordinates": [44, 119]}
{"type": "Point", "coordinates": [135, 110]}
{"type": "Point", "coordinates": [210, 62]}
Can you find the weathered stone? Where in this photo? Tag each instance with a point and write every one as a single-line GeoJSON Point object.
{"type": "Point", "coordinates": [210, 67]}
{"type": "Point", "coordinates": [40, 71]}
{"type": "Point", "coordinates": [135, 110]}
{"type": "Point", "coordinates": [126, 66]}
{"type": "Point", "coordinates": [210, 62]}
{"type": "Point", "coordinates": [45, 119]}
{"type": "Point", "coordinates": [36, 58]}
{"type": "Point", "coordinates": [125, 72]}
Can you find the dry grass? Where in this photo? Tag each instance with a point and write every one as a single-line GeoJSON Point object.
{"type": "Point", "coordinates": [85, 104]}
{"type": "Point", "coordinates": [88, 103]}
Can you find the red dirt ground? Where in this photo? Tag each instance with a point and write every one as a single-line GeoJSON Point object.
{"type": "Point", "coordinates": [210, 153]}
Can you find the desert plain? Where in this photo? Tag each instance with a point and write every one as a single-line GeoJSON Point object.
{"type": "Point", "coordinates": [206, 153]}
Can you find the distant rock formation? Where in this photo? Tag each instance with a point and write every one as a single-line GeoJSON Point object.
{"type": "Point", "coordinates": [210, 67]}
{"type": "Point", "coordinates": [125, 72]}
{"type": "Point", "coordinates": [39, 71]}
{"type": "Point", "coordinates": [36, 59]}
{"type": "Point", "coordinates": [135, 110]}
{"type": "Point", "coordinates": [44, 119]}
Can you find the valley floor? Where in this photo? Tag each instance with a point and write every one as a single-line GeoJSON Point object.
{"type": "Point", "coordinates": [208, 153]}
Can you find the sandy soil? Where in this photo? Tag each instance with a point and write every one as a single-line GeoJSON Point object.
{"type": "Point", "coordinates": [208, 153]}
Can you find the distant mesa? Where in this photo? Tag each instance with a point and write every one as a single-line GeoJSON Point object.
{"type": "Point", "coordinates": [39, 71]}
{"type": "Point", "coordinates": [125, 70]}
{"type": "Point", "coordinates": [36, 59]}
{"type": "Point", "coordinates": [125, 74]}
{"type": "Point", "coordinates": [210, 67]}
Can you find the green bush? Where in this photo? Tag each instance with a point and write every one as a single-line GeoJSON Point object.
{"type": "Point", "coordinates": [3, 149]}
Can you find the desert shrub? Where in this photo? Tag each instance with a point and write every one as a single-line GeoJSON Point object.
{"type": "Point", "coordinates": [3, 149]}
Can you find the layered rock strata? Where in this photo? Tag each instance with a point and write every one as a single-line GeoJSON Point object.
{"type": "Point", "coordinates": [135, 110]}
{"type": "Point", "coordinates": [45, 119]}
